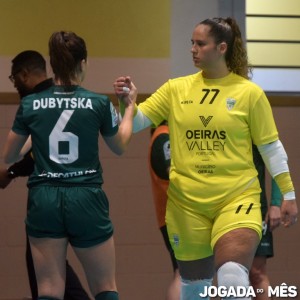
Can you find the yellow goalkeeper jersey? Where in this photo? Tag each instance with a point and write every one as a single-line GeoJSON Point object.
{"type": "Point", "coordinates": [212, 125]}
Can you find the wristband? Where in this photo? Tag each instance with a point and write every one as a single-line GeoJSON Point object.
{"type": "Point", "coordinates": [11, 174]}
{"type": "Point", "coordinates": [284, 182]}
{"type": "Point", "coordinates": [289, 196]}
{"type": "Point", "coordinates": [23, 167]}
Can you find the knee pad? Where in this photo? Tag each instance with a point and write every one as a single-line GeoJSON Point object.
{"type": "Point", "coordinates": [190, 289]}
{"type": "Point", "coordinates": [232, 274]}
{"type": "Point", "coordinates": [107, 295]}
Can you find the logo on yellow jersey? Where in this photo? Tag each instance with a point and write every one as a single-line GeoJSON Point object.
{"type": "Point", "coordinates": [204, 120]}
{"type": "Point", "coordinates": [230, 103]}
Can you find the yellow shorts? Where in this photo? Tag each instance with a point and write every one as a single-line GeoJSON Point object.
{"type": "Point", "coordinates": [193, 234]}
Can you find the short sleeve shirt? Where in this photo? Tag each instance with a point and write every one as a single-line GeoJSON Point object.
{"type": "Point", "coordinates": [212, 124]}
{"type": "Point", "coordinates": [64, 125]}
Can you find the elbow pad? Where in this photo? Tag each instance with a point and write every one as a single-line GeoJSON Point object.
{"type": "Point", "coordinates": [275, 158]}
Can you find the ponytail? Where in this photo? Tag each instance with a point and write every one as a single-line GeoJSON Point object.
{"type": "Point", "coordinates": [66, 51]}
{"type": "Point", "coordinates": [227, 30]}
{"type": "Point", "coordinates": [237, 58]}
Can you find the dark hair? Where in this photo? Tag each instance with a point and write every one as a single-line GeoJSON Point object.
{"type": "Point", "coordinates": [227, 30]}
{"type": "Point", "coordinates": [66, 50]}
{"type": "Point", "coordinates": [29, 60]}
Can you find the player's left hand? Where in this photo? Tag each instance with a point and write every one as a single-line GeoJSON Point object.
{"type": "Point", "coordinates": [289, 212]}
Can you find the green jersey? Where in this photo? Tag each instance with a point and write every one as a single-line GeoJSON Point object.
{"type": "Point", "coordinates": [64, 125]}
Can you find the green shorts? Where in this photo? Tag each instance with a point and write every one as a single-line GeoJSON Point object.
{"type": "Point", "coordinates": [265, 247]}
{"type": "Point", "coordinates": [193, 233]}
{"type": "Point", "coordinates": [80, 214]}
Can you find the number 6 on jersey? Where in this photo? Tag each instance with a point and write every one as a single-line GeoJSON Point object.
{"type": "Point", "coordinates": [59, 137]}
